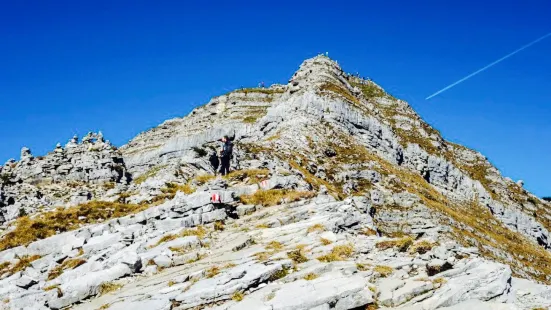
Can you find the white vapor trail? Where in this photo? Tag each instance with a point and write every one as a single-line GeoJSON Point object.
{"type": "Point", "coordinates": [488, 66]}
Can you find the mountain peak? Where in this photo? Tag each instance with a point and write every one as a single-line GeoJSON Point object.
{"type": "Point", "coordinates": [315, 72]}
{"type": "Point", "coordinates": [327, 168]}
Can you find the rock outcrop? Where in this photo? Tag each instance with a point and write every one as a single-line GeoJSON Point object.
{"type": "Point", "coordinates": [341, 197]}
{"type": "Point", "coordinates": [75, 173]}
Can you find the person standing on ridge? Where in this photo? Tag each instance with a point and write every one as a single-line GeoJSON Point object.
{"type": "Point", "coordinates": [225, 155]}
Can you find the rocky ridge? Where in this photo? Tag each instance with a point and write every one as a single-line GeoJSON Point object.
{"type": "Point", "coordinates": [342, 198]}
{"type": "Point", "coordinates": [70, 175]}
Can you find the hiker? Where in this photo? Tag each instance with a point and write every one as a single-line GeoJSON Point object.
{"type": "Point", "coordinates": [225, 155]}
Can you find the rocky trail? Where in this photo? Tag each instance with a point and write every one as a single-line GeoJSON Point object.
{"type": "Point", "coordinates": [340, 197]}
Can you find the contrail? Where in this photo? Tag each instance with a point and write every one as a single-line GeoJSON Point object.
{"type": "Point", "coordinates": [488, 66]}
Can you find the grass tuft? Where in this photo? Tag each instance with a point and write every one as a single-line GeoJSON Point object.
{"type": "Point", "coordinates": [262, 256]}
{"type": "Point", "coordinates": [60, 220]}
{"type": "Point", "coordinates": [171, 189]}
{"type": "Point", "coordinates": [212, 271]}
{"type": "Point", "coordinates": [401, 244]}
{"type": "Point", "coordinates": [237, 296]}
{"type": "Point", "coordinates": [368, 232]}
{"type": "Point", "coordinates": [203, 178]}
{"type": "Point", "coordinates": [149, 174]}
{"type": "Point", "coordinates": [274, 197]}
{"type": "Point", "coordinates": [297, 256]}
{"type": "Point", "coordinates": [384, 271]}
{"type": "Point", "coordinates": [67, 264]}
{"type": "Point", "coordinates": [254, 175]}
{"type": "Point", "coordinates": [275, 245]}
{"type": "Point", "coordinates": [281, 273]}
{"type": "Point", "coordinates": [311, 276]}
{"type": "Point", "coordinates": [219, 226]}
{"type": "Point", "coordinates": [198, 231]}
{"type": "Point", "coordinates": [317, 227]}
{"type": "Point", "coordinates": [108, 287]}
{"type": "Point", "coordinates": [421, 247]}
{"type": "Point", "coordinates": [362, 267]}
{"type": "Point", "coordinates": [20, 265]}
{"type": "Point", "coordinates": [165, 238]}
{"type": "Point", "coordinates": [341, 91]}
{"type": "Point", "coordinates": [338, 253]}
{"type": "Point", "coordinates": [325, 241]}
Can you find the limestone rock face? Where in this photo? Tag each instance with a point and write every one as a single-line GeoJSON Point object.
{"type": "Point", "coordinates": [340, 197]}
{"type": "Point", "coordinates": [68, 172]}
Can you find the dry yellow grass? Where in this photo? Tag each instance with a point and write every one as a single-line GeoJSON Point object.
{"type": "Point", "coordinates": [67, 264]}
{"type": "Point", "coordinates": [203, 178]}
{"type": "Point", "coordinates": [362, 267]}
{"type": "Point", "coordinates": [237, 296]}
{"type": "Point", "coordinates": [51, 287]}
{"type": "Point", "coordinates": [254, 175]}
{"type": "Point", "coordinates": [373, 306]}
{"type": "Point", "coordinates": [421, 247]}
{"type": "Point", "coordinates": [198, 231]}
{"type": "Point", "coordinates": [48, 224]}
{"type": "Point", "coordinates": [20, 265]}
{"type": "Point", "coordinates": [384, 271]}
{"type": "Point", "coordinates": [279, 274]}
{"type": "Point", "coordinates": [178, 250]}
{"type": "Point", "coordinates": [297, 256]}
{"type": "Point", "coordinates": [274, 245]}
{"type": "Point", "coordinates": [438, 282]}
{"type": "Point", "coordinates": [313, 180]}
{"type": "Point", "coordinates": [311, 276]}
{"type": "Point", "coordinates": [171, 189]}
{"type": "Point", "coordinates": [274, 197]}
{"type": "Point", "coordinates": [325, 241]}
{"type": "Point", "coordinates": [316, 227]}
{"type": "Point", "coordinates": [478, 227]}
{"type": "Point", "coordinates": [262, 256]}
{"type": "Point", "coordinates": [338, 90]}
{"type": "Point", "coordinates": [108, 287]}
{"type": "Point", "coordinates": [370, 90]}
{"type": "Point", "coordinates": [165, 238]}
{"type": "Point", "coordinates": [149, 174]}
{"type": "Point", "coordinates": [212, 272]}
{"type": "Point", "coordinates": [219, 226]}
{"type": "Point", "coordinates": [54, 287]}
{"type": "Point", "coordinates": [368, 232]}
{"type": "Point", "coordinates": [401, 244]}
{"type": "Point", "coordinates": [338, 253]}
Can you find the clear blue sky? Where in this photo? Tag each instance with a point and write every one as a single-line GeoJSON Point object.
{"type": "Point", "coordinates": [125, 66]}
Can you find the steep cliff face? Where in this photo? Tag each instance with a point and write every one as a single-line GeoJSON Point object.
{"type": "Point", "coordinates": [341, 197]}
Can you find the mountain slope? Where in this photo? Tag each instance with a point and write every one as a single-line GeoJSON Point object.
{"type": "Point", "coordinates": [324, 108]}
{"type": "Point", "coordinates": [338, 188]}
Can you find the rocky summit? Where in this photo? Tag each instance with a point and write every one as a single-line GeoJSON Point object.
{"type": "Point", "coordinates": [339, 197]}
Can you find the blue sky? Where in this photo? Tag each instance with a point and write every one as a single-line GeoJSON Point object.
{"type": "Point", "coordinates": [125, 66]}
